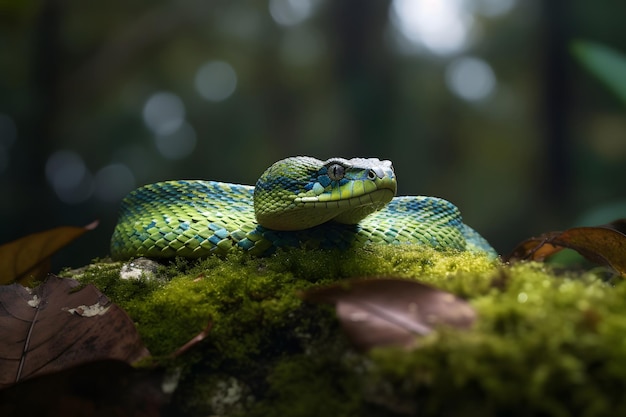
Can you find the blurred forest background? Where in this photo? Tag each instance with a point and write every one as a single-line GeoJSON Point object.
{"type": "Point", "coordinates": [477, 101]}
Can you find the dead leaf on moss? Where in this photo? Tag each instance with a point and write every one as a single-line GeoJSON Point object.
{"type": "Point", "coordinates": [58, 325]}
{"type": "Point", "coordinates": [27, 259]}
{"type": "Point", "coordinates": [605, 245]}
{"type": "Point", "coordinates": [388, 311]}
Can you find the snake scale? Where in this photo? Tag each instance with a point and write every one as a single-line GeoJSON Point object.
{"type": "Point", "coordinates": [297, 202]}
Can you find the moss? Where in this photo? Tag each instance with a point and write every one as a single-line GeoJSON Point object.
{"type": "Point", "coordinates": [310, 385]}
{"type": "Point", "coordinates": [105, 275]}
{"type": "Point", "coordinates": [544, 344]}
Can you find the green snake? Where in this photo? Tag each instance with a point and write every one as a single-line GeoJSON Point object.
{"type": "Point", "coordinates": [297, 202]}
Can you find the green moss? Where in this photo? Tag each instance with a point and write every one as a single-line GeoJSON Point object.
{"type": "Point", "coordinates": [311, 385]}
{"type": "Point", "coordinates": [185, 296]}
{"type": "Point", "coordinates": [105, 275]}
{"type": "Point", "coordinates": [544, 344]}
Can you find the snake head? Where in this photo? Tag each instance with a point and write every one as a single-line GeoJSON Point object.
{"type": "Point", "coordinates": [302, 192]}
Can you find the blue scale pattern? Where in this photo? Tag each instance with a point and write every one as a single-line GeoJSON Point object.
{"type": "Point", "coordinates": [205, 217]}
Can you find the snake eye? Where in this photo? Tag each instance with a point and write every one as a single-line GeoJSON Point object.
{"type": "Point", "coordinates": [371, 175]}
{"type": "Point", "coordinates": [336, 172]}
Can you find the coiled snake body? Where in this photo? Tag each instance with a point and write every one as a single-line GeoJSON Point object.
{"type": "Point", "coordinates": [298, 201]}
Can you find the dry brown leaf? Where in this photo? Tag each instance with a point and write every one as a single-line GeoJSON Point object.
{"type": "Point", "coordinates": [389, 311]}
{"type": "Point", "coordinates": [58, 325]}
{"type": "Point", "coordinates": [27, 259]}
{"type": "Point", "coordinates": [605, 244]}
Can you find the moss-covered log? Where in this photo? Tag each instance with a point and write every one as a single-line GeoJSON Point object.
{"type": "Point", "coordinates": [544, 343]}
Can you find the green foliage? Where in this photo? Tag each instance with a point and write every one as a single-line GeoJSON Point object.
{"type": "Point", "coordinates": [608, 65]}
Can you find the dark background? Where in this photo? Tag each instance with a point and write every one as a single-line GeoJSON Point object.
{"type": "Point", "coordinates": [479, 102]}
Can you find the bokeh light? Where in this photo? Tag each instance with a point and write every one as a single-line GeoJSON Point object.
{"type": "Point", "coordinates": [163, 113]}
{"type": "Point", "coordinates": [216, 81]}
{"type": "Point", "coordinates": [137, 158]}
{"type": "Point", "coordinates": [178, 144]}
{"type": "Point", "coordinates": [290, 12]}
{"type": "Point", "coordinates": [8, 131]}
{"type": "Point", "coordinates": [442, 26]}
{"type": "Point", "coordinates": [71, 180]}
{"type": "Point", "coordinates": [470, 78]}
{"type": "Point", "coordinates": [113, 182]}
{"type": "Point", "coordinates": [493, 8]}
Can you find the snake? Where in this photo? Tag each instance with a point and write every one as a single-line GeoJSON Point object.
{"type": "Point", "coordinates": [297, 202]}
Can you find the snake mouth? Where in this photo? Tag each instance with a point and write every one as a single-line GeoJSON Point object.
{"type": "Point", "coordinates": [357, 208]}
{"type": "Point", "coordinates": [372, 197]}
{"type": "Point", "coordinates": [352, 194]}
{"type": "Point", "coordinates": [311, 212]}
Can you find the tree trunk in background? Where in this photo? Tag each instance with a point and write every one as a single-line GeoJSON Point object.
{"type": "Point", "coordinates": [46, 71]}
{"type": "Point", "coordinates": [33, 202]}
{"type": "Point", "coordinates": [363, 69]}
{"type": "Point", "coordinates": [556, 178]}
